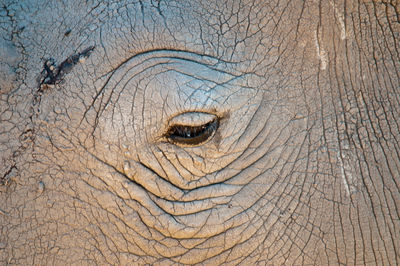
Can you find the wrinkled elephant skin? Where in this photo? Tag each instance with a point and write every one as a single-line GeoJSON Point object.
{"type": "Point", "coordinates": [200, 132]}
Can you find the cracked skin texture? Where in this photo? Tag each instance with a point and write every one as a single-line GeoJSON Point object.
{"type": "Point", "coordinates": [302, 169]}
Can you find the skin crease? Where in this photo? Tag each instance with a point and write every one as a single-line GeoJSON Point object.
{"type": "Point", "coordinates": [303, 167]}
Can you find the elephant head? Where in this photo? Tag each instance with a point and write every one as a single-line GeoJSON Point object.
{"type": "Point", "coordinates": [207, 132]}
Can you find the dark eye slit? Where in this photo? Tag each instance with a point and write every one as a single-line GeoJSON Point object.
{"type": "Point", "coordinates": [192, 135]}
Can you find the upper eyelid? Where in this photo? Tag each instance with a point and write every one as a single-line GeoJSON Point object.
{"type": "Point", "coordinates": [184, 118]}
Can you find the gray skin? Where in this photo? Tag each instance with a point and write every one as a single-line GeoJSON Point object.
{"type": "Point", "coordinates": [210, 132]}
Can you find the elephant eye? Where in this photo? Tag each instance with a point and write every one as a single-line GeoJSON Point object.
{"type": "Point", "coordinates": [192, 128]}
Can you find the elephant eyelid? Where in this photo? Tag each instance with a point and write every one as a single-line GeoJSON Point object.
{"type": "Point", "coordinates": [192, 135]}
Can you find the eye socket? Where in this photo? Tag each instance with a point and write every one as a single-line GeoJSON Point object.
{"type": "Point", "coordinates": [192, 134]}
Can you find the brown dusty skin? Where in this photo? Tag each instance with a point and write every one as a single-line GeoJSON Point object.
{"type": "Point", "coordinates": [302, 165]}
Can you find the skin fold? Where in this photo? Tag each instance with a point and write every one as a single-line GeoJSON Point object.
{"type": "Point", "coordinates": [199, 132]}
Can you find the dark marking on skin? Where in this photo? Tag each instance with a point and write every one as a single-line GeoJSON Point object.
{"type": "Point", "coordinates": [67, 33]}
{"type": "Point", "coordinates": [5, 179]}
{"type": "Point", "coordinates": [5, 214]}
{"type": "Point", "coordinates": [41, 188]}
{"type": "Point", "coordinates": [53, 74]}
